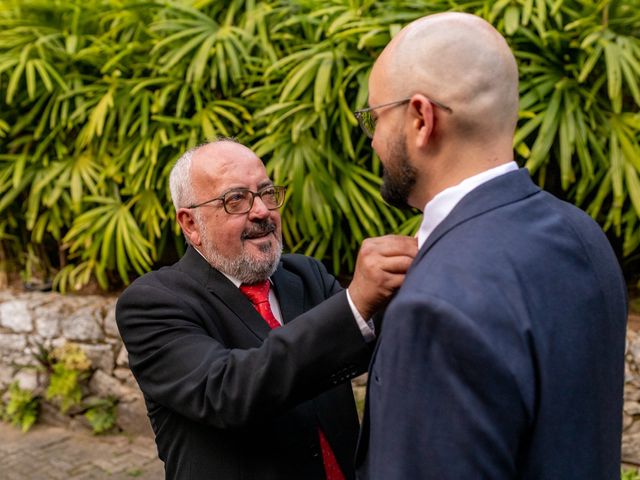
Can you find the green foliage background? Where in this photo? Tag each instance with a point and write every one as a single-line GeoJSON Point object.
{"type": "Point", "coordinates": [98, 99]}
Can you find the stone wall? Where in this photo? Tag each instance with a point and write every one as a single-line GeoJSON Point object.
{"type": "Point", "coordinates": [631, 415]}
{"type": "Point", "coordinates": [29, 320]}
{"type": "Point", "coordinates": [50, 319]}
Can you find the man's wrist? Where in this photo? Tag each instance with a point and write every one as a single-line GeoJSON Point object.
{"type": "Point", "coordinates": [366, 326]}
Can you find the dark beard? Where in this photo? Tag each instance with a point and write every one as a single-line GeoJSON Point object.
{"type": "Point", "coordinates": [399, 178]}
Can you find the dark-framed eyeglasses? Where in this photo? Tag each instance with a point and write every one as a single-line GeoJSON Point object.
{"type": "Point", "coordinates": [368, 122]}
{"type": "Point", "coordinates": [240, 200]}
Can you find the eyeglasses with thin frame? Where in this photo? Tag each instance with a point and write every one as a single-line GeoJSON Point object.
{"type": "Point", "coordinates": [240, 200]}
{"type": "Point", "coordinates": [368, 122]}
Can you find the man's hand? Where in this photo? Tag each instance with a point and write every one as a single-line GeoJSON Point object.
{"type": "Point", "coordinates": [380, 269]}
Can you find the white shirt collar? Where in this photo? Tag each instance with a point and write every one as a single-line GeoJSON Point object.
{"type": "Point", "coordinates": [437, 209]}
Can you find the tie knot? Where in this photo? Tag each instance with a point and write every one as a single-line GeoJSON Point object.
{"type": "Point", "coordinates": [257, 292]}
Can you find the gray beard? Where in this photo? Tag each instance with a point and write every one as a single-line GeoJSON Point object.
{"type": "Point", "coordinates": [244, 268]}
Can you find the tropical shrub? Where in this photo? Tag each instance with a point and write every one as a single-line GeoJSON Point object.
{"type": "Point", "coordinates": [22, 407]}
{"type": "Point", "coordinates": [628, 474]}
{"type": "Point", "coordinates": [97, 99]}
{"type": "Point", "coordinates": [69, 372]}
{"type": "Point", "coordinates": [101, 414]}
{"type": "Point", "coordinates": [69, 367]}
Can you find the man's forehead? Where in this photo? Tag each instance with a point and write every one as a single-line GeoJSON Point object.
{"type": "Point", "coordinates": [225, 156]}
{"type": "Point", "coordinates": [229, 166]}
{"type": "Point", "coordinates": [224, 150]}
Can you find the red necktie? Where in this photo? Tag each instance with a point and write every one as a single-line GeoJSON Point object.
{"type": "Point", "coordinates": [258, 294]}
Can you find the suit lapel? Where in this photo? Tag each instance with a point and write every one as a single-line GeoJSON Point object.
{"type": "Point", "coordinates": [503, 190]}
{"type": "Point", "coordinates": [238, 303]}
{"type": "Point", "coordinates": [290, 293]}
{"type": "Point", "coordinates": [225, 291]}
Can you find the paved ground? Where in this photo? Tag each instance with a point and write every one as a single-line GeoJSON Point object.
{"type": "Point", "coordinates": [47, 453]}
{"type": "Point", "coordinates": [52, 453]}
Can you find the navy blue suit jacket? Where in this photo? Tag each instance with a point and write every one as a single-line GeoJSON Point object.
{"type": "Point", "coordinates": [502, 355]}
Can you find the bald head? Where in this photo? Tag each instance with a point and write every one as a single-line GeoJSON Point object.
{"type": "Point", "coordinates": [193, 161]}
{"type": "Point", "coordinates": [461, 61]}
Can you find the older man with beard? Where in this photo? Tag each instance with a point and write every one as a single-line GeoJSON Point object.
{"type": "Point", "coordinates": [244, 356]}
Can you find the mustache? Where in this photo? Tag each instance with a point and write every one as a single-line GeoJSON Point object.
{"type": "Point", "coordinates": [259, 229]}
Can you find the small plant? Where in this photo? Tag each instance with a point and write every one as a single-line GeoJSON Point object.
{"type": "Point", "coordinates": [69, 370]}
{"type": "Point", "coordinates": [101, 414]}
{"type": "Point", "coordinates": [22, 408]}
{"type": "Point", "coordinates": [70, 366]}
{"type": "Point", "coordinates": [630, 475]}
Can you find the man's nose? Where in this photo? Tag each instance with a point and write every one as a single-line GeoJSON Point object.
{"type": "Point", "coordinates": [258, 209]}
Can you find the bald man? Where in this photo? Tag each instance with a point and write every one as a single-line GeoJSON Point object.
{"type": "Point", "coordinates": [502, 354]}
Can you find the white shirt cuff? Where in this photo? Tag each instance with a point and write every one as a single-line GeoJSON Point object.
{"type": "Point", "coordinates": [366, 327]}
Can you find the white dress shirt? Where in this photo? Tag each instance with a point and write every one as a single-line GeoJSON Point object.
{"type": "Point", "coordinates": [437, 209]}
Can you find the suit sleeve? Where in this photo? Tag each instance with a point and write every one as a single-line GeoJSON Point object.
{"type": "Point", "coordinates": [447, 394]}
{"type": "Point", "coordinates": [180, 365]}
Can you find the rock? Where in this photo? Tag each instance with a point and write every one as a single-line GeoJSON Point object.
{"type": "Point", "coordinates": [627, 421]}
{"type": "Point", "coordinates": [110, 326]}
{"type": "Point", "coordinates": [101, 357]}
{"type": "Point", "coordinates": [126, 377]}
{"type": "Point", "coordinates": [632, 408]}
{"type": "Point", "coordinates": [132, 418]}
{"type": "Point", "coordinates": [631, 448]}
{"type": "Point", "coordinates": [632, 429]}
{"type": "Point", "coordinates": [51, 415]}
{"type": "Point", "coordinates": [6, 376]}
{"type": "Point", "coordinates": [48, 317]}
{"type": "Point", "coordinates": [83, 325]}
{"type": "Point", "coordinates": [104, 385]}
{"type": "Point", "coordinates": [631, 392]}
{"type": "Point", "coordinates": [633, 348]}
{"type": "Point", "coordinates": [79, 423]}
{"type": "Point", "coordinates": [58, 342]}
{"type": "Point", "coordinates": [27, 379]}
{"type": "Point", "coordinates": [15, 315]}
{"type": "Point", "coordinates": [12, 342]}
{"type": "Point", "coordinates": [628, 372]}
{"type": "Point", "coordinates": [123, 358]}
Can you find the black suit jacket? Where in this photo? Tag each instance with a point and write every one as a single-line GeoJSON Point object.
{"type": "Point", "coordinates": [502, 354]}
{"type": "Point", "coordinates": [227, 397]}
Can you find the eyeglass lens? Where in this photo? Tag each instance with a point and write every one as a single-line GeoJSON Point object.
{"type": "Point", "coordinates": [241, 201]}
{"type": "Point", "coordinates": [367, 123]}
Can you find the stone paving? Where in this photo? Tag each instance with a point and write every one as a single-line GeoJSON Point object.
{"type": "Point", "coordinates": [47, 452]}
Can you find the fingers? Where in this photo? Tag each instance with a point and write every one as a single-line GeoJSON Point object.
{"type": "Point", "coordinates": [390, 245]}
{"type": "Point", "coordinates": [391, 253]}
{"type": "Point", "coordinates": [396, 264]}
{"type": "Point", "coordinates": [380, 269]}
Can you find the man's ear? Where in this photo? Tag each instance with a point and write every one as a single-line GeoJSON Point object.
{"type": "Point", "coordinates": [422, 118]}
{"type": "Point", "coordinates": [187, 223]}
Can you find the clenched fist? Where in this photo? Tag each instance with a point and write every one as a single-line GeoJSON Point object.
{"type": "Point", "coordinates": [380, 269]}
